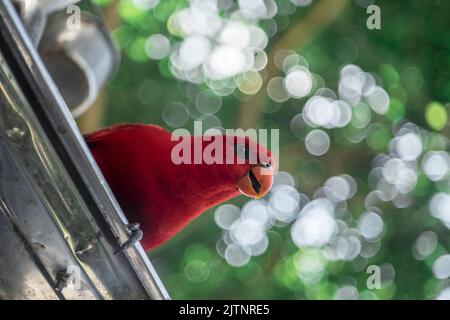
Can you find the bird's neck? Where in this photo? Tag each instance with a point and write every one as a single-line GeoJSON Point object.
{"type": "Point", "coordinates": [209, 183]}
{"type": "Point", "coordinates": [189, 189]}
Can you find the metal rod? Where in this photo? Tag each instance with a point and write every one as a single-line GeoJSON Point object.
{"type": "Point", "coordinates": [70, 146]}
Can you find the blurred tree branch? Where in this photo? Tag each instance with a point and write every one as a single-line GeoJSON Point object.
{"type": "Point", "coordinates": [294, 153]}
{"type": "Point", "coordinates": [319, 18]}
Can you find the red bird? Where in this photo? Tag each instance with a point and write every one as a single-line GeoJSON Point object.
{"type": "Point", "coordinates": [163, 196]}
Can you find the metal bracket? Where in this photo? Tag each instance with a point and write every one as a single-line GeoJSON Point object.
{"type": "Point", "coordinates": [136, 234]}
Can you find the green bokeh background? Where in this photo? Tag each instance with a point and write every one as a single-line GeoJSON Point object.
{"type": "Point", "coordinates": [411, 55]}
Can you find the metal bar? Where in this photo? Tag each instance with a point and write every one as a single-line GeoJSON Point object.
{"type": "Point", "coordinates": [68, 143]}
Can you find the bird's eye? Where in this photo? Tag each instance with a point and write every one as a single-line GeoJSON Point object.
{"type": "Point", "coordinates": [266, 164]}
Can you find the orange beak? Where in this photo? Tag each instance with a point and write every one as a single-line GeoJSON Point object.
{"type": "Point", "coordinates": [257, 182]}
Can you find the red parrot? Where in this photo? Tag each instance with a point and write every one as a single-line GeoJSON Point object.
{"type": "Point", "coordinates": [136, 160]}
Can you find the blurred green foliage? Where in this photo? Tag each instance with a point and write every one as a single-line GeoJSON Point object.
{"type": "Point", "coordinates": [411, 55]}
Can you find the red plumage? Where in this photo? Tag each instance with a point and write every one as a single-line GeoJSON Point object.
{"type": "Point", "coordinates": [162, 196]}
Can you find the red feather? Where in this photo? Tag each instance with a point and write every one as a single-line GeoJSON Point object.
{"type": "Point", "coordinates": [162, 196]}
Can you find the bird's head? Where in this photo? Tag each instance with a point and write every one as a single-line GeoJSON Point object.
{"type": "Point", "coordinates": [255, 166]}
{"type": "Point", "coordinates": [236, 163]}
